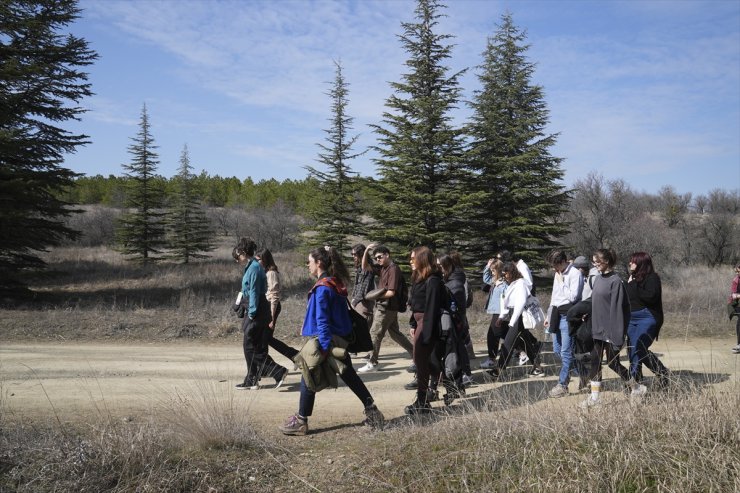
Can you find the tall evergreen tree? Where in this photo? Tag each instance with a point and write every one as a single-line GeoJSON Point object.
{"type": "Point", "coordinates": [336, 213]}
{"type": "Point", "coordinates": [141, 231]}
{"type": "Point", "coordinates": [41, 85]}
{"type": "Point", "coordinates": [189, 232]}
{"type": "Point", "coordinates": [517, 178]}
{"type": "Point", "coordinates": [420, 196]}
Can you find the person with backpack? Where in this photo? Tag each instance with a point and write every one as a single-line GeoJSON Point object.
{"type": "Point", "coordinates": [327, 318]}
{"type": "Point", "coordinates": [387, 306]}
{"type": "Point", "coordinates": [428, 297]}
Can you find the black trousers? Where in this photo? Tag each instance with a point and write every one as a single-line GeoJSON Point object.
{"type": "Point", "coordinates": [514, 335]}
{"type": "Point", "coordinates": [257, 337]}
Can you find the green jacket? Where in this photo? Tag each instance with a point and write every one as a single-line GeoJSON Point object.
{"type": "Point", "coordinates": [320, 370]}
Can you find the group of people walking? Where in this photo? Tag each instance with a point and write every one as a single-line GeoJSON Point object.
{"type": "Point", "coordinates": [592, 315]}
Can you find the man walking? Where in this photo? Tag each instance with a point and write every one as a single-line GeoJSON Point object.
{"type": "Point", "coordinates": [385, 317]}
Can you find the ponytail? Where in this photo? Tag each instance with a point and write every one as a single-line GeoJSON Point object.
{"type": "Point", "coordinates": [331, 261]}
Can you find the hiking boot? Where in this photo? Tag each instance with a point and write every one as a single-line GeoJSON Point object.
{"type": "Point", "coordinates": [558, 391]}
{"type": "Point", "coordinates": [368, 368]}
{"type": "Point", "coordinates": [412, 385]}
{"type": "Point", "coordinates": [294, 425]}
{"type": "Point", "coordinates": [281, 378]}
{"type": "Point", "coordinates": [418, 407]}
{"type": "Point", "coordinates": [495, 372]}
{"type": "Point", "coordinates": [536, 372]}
{"type": "Point", "coordinates": [374, 418]}
{"type": "Point", "coordinates": [488, 364]}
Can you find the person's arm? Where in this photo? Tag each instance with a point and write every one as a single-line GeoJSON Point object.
{"type": "Point", "coordinates": [367, 262]}
{"type": "Point", "coordinates": [432, 307]}
{"type": "Point", "coordinates": [518, 300]}
{"type": "Point", "coordinates": [323, 316]}
{"type": "Point", "coordinates": [251, 275]}
{"type": "Point", "coordinates": [487, 274]}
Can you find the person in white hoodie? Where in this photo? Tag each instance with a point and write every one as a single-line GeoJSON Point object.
{"type": "Point", "coordinates": [515, 297]}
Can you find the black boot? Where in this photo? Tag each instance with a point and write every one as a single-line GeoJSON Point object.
{"type": "Point", "coordinates": [419, 406]}
{"type": "Point", "coordinates": [412, 385]}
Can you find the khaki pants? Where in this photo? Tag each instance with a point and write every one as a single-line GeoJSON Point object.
{"type": "Point", "coordinates": [384, 321]}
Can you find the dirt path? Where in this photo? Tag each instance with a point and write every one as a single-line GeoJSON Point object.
{"type": "Point", "coordinates": [76, 382]}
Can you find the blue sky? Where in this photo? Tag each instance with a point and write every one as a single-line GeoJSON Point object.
{"type": "Point", "coordinates": [647, 91]}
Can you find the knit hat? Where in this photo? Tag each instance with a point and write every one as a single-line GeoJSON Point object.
{"type": "Point", "coordinates": [581, 262]}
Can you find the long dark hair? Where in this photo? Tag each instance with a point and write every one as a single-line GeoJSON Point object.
{"type": "Point", "coordinates": [512, 269]}
{"type": "Point", "coordinates": [644, 265]}
{"type": "Point", "coordinates": [447, 264]}
{"type": "Point", "coordinates": [331, 261]}
{"type": "Point", "coordinates": [267, 261]}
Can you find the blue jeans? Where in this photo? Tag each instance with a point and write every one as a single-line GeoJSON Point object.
{"type": "Point", "coordinates": [641, 334]}
{"type": "Point", "coordinates": [562, 346]}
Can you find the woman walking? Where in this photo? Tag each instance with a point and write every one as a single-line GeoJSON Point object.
{"type": "Point", "coordinates": [327, 316]}
{"type": "Point", "coordinates": [493, 276]}
{"type": "Point", "coordinates": [273, 297]}
{"type": "Point", "coordinates": [610, 314]}
{"type": "Point", "coordinates": [735, 303]}
{"type": "Point", "coordinates": [646, 301]}
{"type": "Point", "coordinates": [426, 300]}
{"type": "Point", "coordinates": [515, 298]}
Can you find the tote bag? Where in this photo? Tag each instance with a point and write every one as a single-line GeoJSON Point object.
{"type": "Point", "coordinates": [533, 317]}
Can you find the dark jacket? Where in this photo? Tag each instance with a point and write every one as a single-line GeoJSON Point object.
{"type": "Point", "coordinates": [647, 294]}
{"type": "Point", "coordinates": [429, 297]}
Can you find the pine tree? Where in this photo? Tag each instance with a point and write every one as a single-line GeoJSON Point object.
{"type": "Point", "coordinates": [336, 212]}
{"type": "Point", "coordinates": [517, 178]}
{"type": "Point", "coordinates": [141, 231]}
{"type": "Point", "coordinates": [187, 223]}
{"type": "Point", "coordinates": [420, 196]}
{"type": "Point", "coordinates": [40, 87]}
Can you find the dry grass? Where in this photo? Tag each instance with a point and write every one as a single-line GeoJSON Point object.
{"type": "Point", "coordinates": [683, 440]}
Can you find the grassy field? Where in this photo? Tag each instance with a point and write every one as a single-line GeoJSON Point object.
{"type": "Point", "coordinates": [686, 439]}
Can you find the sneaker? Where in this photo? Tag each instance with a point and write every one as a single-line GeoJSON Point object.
{"type": "Point", "coordinates": [369, 367]}
{"type": "Point", "coordinates": [495, 372]}
{"type": "Point", "coordinates": [536, 372]}
{"type": "Point", "coordinates": [412, 385]}
{"type": "Point", "coordinates": [418, 407]}
{"type": "Point", "coordinates": [246, 386]}
{"type": "Point", "coordinates": [432, 395]}
{"type": "Point", "coordinates": [281, 378]}
{"type": "Point", "coordinates": [523, 359]}
{"type": "Point", "coordinates": [488, 364]}
{"type": "Point", "coordinates": [374, 418]}
{"type": "Point", "coordinates": [294, 425]}
{"type": "Point", "coordinates": [638, 391]}
{"type": "Point", "coordinates": [467, 380]}
{"type": "Point", "coordinates": [736, 349]}
{"type": "Point", "coordinates": [558, 391]}
{"type": "Point", "coordinates": [411, 368]}
{"type": "Point", "coordinates": [589, 403]}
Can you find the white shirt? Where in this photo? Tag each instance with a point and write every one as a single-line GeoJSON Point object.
{"type": "Point", "coordinates": [567, 287]}
{"type": "Point", "coordinates": [515, 297]}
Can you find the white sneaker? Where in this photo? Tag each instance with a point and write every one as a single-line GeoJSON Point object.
{"type": "Point", "coordinates": [639, 391]}
{"type": "Point", "coordinates": [589, 403]}
{"type": "Point", "coordinates": [736, 349]}
{"type": "Point", "coordinates": [488, 364]}
{"type": "Point", "coordinates": [369, 367]}
{"type": "Point", "coordinates": [523, 358]}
